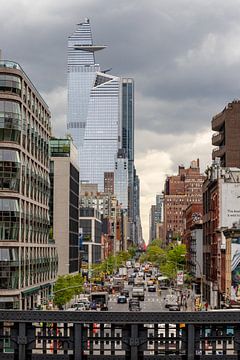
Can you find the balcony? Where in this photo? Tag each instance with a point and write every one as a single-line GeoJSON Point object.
{"type": "Point", "coordinates": [217, 138]}
{"type": "Point", "coordinates": [218, 152]}
{"type": "Point", "coordinates": [218, 122]}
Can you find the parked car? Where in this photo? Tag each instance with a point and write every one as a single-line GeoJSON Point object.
{"type": "Point", "coordinates": [174, 308]}
{"type": "Point", "coordinates": [81, 307]}
{"type": "Point", "coordinates": [125, 292]}
{"type": "Point", "coordinates": [121, 299]}
{"type": "Point", "coordinates": [152, 288]}
{"type": "Point", "coordinates": [130, 281]}
{"type": "Point", "coordinates": [134, 305]}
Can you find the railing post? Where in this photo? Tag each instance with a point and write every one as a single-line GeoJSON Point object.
{"type": "Point", "coordinates": [22, 341]}
{"type": "Point", "coordinates": [237, 340]}
{"type": "Point", "coordinates": [190, 342]}
{"type": "Point", "coordinates": [134, 342]}
{"type": "Point", "coordinates": [78, 341]}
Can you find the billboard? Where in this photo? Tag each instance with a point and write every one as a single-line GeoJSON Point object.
{"type": "Point", "coordinates": [235, 270]}
{"type": "Point", "coordinates": [229, 204]}
{"type": "Point", "coordinates": [180, 276]}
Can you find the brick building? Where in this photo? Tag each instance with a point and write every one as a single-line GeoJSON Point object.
{"type": "Point", "coordinates": [193, 238]}
{"type": "Point", "coordinates": [221, 192]}
{"type": "Point", "coordinates": [181, 190]}
{"type": "Point", "coordinates": [227, 127]}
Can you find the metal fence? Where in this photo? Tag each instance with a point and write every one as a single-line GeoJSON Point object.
{"type": "Point", "coordinates": [66, 335]}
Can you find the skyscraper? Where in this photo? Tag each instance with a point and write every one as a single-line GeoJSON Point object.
{"type": "Point", "coordinates": [93, 108]}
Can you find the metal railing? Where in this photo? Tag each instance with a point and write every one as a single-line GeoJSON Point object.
{"type": "Point", "coordinates": [72, 335]}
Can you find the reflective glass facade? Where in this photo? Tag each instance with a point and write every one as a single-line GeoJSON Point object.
{"type": "Point", "coordinates": [93, 108]}
{"type": "Point", "coordinates": [27, 258]}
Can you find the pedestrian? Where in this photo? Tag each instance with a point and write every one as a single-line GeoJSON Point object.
{"type": "Point", "coordinates": [206, 306]}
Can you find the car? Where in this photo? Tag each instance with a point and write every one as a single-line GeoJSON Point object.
{"type": "Point", "coordinates": [152, 288]}
{"type": "Point", "coordinates": [81, 307]}
{"type": "Point", "coordinates": [121, 299]}
{"type": "Point", "coordinates": [174, 308]}
{"type": "Point", "coordinates": [134, 305]}
{"type": "Point", "coordinates": [131, 281]}
{"type": "Point", "coordinates": [149, 283]}
{"type": "Point", "coordinates": [125, 292]}
{"type": "Point", "coordinates": [140, 274]}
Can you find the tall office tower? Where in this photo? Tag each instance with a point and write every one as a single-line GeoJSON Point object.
{"type": "Point", "coordinates": [156, 219]}
{"type": "Point", "coordinates": [121, 179]}
{"type": "Point", "coordinates": [227, 127]}
{"type": "Point", "coordinates": [137, 227]}
{"type": "Point", "coordinates": [93, 108]}
{"type": "Point", "coordinates": [28, 259]}
{"type": "Point", "coordinates": [64, 204]}
{"type": "Point", "coordinates": [128, 138]}
{"type": "Point", "coordinates": [152, 224]}
{"type": "Point", "coordinates": [159, 208]}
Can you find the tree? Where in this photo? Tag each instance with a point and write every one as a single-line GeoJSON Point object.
{"type": "Point", "coordinates": [174, 261]}
{"type": "Point", "coordinates": [132, 251]}
{"type": "Point", "coordinates": [66, 287]}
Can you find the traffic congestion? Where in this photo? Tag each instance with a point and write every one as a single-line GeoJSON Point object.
{"type": "Point", "coordinates": [135, 287]}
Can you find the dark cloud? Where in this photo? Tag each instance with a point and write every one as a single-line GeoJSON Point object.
{"type": "Point", "coordinates": [183, 55]}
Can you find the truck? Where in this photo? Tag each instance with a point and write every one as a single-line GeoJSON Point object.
{"type": "Point", "coordinates": [100, 298]}
{"type": "Point", "coordinates": [171, 300]}
{"type": "Point", "coordinates": [128, 264]}
{"type": "Point", "coordinates": [139, 293]}
{"type": "Point", "coordinates": [122, 271]}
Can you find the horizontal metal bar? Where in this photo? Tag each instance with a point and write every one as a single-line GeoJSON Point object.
{"type": "Point", "coordinates": [208, 317]}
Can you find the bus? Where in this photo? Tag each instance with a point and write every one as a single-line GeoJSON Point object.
{"type": "Point", "coordinates": [163, 282]}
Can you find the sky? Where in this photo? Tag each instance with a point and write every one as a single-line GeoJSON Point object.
{"type": "Point", "coordinates": [184, 56]}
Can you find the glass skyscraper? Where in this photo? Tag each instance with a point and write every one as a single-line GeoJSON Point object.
{"type": "Point", "coordinates": [93, 108]}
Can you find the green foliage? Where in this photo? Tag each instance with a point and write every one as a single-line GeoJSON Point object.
{"type": "Point", "coordinates": [132, 251]}
{"type": "Point", "coordinates": [168, 260]}
{"type": "Point", "coordinates": [154, 253]}
{"type": "Point", "coordinates": [66, 287]}
{"type": "Point", "coordinates": [175, 260]}
{"type": "Point", "coordinates": [110, 264]}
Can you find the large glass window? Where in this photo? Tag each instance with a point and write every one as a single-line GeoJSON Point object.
{"type": "Point", "coordinates": [10, 83]}
{"type": "Point", "coordinates": [9, 273]}
{"type": "Point", "coordinates": [9, 219]}
{"type": "Point", "coordinates": [10, 121]}
{"type": "Point", "coordinates": [9, 170]}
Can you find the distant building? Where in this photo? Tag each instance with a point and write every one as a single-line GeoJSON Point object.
{"type": "Point", "coordinates": [121, 178]}
{"type": "Point", "coordinates": [109, 182]}
{"type": "Point", "coordinates": [156, 219]}
{"type": "Point", "coordinates": [193, 239]}
{"type": "Point", "coordinates": [227, 127]}
{"type": "Point", "coordinates": [28, 258]}
{"type": "Point", "coordinates": [93, 108]}
{"type": "Point", "coordinates": [152, 224]}
{"type": "Point", "coordinates": [180, 191]}
{"type": "Point", "coordinates": [64, 205]}
{"type": "Point", "coordinates": [91, 233]}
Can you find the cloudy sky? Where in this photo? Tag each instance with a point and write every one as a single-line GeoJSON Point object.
{"type": "Point", "coordinates": [183, 54]}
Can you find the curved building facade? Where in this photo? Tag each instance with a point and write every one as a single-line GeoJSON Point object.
{"type": "Point", "coordinates": [28, 261]}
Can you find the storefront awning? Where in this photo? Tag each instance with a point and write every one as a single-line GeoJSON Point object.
{"type": "Point", "coordinates": [30, 291]}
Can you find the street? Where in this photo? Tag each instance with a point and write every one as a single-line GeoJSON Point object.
{"type": "Point", "coordinates": [152, 302]}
